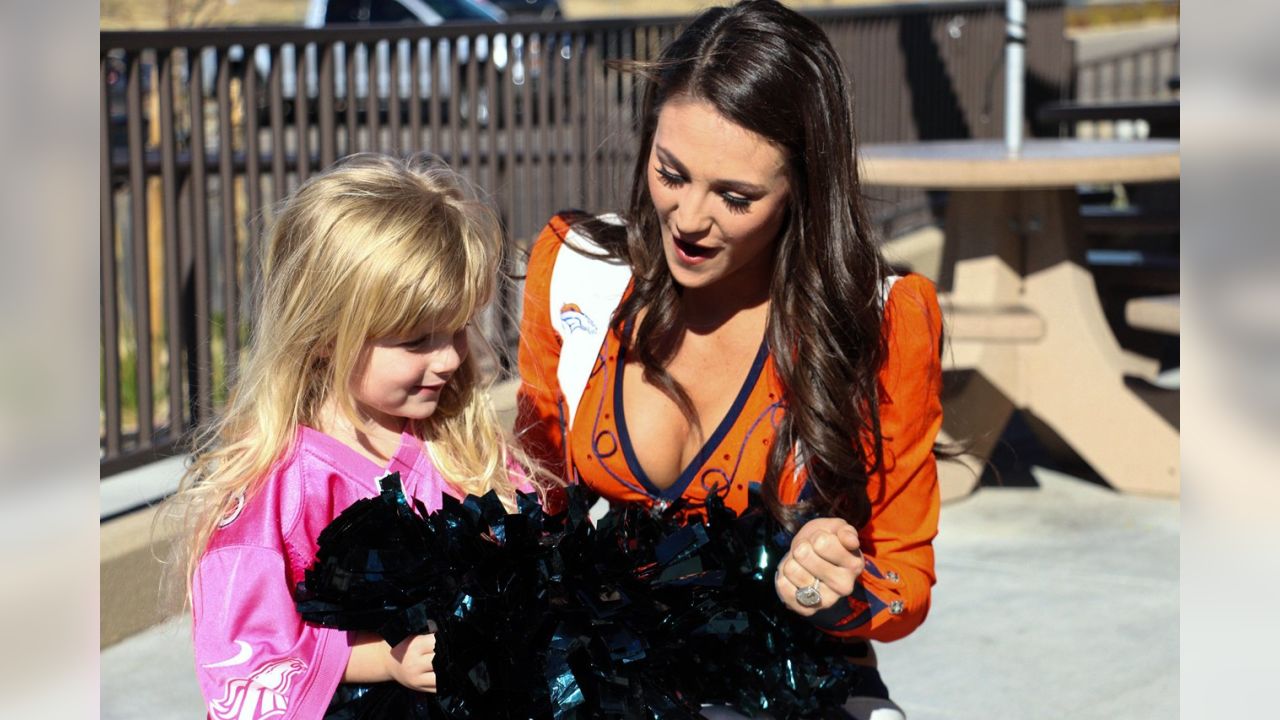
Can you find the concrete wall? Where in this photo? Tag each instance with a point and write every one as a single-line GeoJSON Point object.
{"type": "Point", "coordinates": [132, 598]}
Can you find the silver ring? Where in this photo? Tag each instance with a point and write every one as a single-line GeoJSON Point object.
{"type": "Point", "coordinates": [809, 596]}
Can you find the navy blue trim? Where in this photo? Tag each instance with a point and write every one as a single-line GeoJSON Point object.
{"type": "Point", "coordinates": [691, 471]}
{"type": "Point", "coordinates": [840, 617]}
{"type": "Point", "coordinates": [566, 453]}
{"type": "Point", "coordinates": [624, 438]}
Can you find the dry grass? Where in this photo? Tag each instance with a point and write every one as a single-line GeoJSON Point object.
{"type": "Point", "coordinates": [159, 14]}
{"type": "Point", "coordinates": [1093, 16]}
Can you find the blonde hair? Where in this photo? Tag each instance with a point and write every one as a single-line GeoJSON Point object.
{"type": "Point", "coordinates": [374, 247]}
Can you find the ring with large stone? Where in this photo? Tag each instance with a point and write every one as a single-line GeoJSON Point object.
{"type": "Point", "coordinates": [809, 596]}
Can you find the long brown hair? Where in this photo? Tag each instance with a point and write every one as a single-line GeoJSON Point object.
{"type": "Point", "coordinates": [775, 73]}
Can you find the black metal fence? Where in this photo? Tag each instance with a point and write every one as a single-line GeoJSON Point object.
{"type": "Point", "coordinates": [203, 131]}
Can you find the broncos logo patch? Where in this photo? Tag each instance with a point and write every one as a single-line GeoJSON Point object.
{"type": "Point", "coordinates": [265, 694]}
{"type": "Point", "coordinates": [574, 319]}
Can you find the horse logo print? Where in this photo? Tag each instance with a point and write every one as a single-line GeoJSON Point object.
{"type": "Point", "coordinates": [574, 319]}
{"type": "Point", "coordinates": [262, 695]}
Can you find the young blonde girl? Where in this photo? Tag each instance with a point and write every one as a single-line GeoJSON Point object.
{"type": "Point", "coordinates": [359, 366]}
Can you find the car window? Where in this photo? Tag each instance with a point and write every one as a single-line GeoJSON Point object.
{"type": "Point", "coordinates": [460, 10]}
{"type": "Point", "coordinates": [339, 12]}
{"type": "Point", "coordinates": [367, 11]}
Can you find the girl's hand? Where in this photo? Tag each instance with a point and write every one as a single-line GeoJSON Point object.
{"type": "Point", "coordinates": [826, 550]}
{"type": "Point", "coordinates": [410, 663]}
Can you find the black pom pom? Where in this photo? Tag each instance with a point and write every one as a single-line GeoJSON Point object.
{"type": "Point", "coordinates": [642, 615]}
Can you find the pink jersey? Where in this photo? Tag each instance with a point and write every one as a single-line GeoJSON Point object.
{"type": "Point", "coordinates": [255, 657]}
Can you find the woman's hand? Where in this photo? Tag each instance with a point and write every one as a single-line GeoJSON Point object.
{"type": "Point", "coordinates": [826, 550]}
{"type": "Point", "coordinates": [410, 663]}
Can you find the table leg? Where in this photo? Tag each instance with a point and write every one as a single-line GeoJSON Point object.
{"type": "Point", "coordinates": [973, 419]}
{"type": "Point", "coordinates": [1026, 248]}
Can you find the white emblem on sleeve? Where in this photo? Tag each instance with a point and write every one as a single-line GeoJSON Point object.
{"type": "Point", "coordinates": [241, 657]}
{"type": "Point", "coordinates": [586, 286]}
{"type": "Point", "coordinates": [264, 694]}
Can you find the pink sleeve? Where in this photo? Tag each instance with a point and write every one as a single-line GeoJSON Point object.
{"type": "Point", "coordinates": [255, 658]}
{"type": "Point", "coordinates": [519, 478]}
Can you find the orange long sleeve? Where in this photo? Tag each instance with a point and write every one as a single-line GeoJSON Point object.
{"type": "Point", "coordinates": [892, 597]}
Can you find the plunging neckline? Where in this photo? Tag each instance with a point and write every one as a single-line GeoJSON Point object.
{"type": "Point", "coordinates": [708, 447]}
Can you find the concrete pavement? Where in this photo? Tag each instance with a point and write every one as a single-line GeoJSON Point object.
{"type": "Point", "coordinates": [1052, 602]}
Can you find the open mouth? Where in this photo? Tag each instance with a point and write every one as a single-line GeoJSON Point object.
{"type": "Point", "coordinates": [691, 252]}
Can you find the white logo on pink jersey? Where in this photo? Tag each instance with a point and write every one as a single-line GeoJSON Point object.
{"type": "Point", "coordinates": [262, 695]}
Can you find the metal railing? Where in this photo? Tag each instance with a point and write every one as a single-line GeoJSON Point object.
{"type": "Point", "coordinates": [203, 131]}
{"type": "Point", "coordinates": [1143, 73]}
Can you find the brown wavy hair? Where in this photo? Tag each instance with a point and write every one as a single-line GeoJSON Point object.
{"type": "Point", "coordinates": [775, 73]}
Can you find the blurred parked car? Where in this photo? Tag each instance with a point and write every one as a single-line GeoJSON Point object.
{"type": "Point", "coordinates": [322, 13]}
{"type": "Point", "coordinates": [517, 58]}
{"type": "Point", "coordinates": [336, 13]}
{"type": "Point", "coordinates": [530, 9]}
{"type": "Point", "coordinates": [434, 77]}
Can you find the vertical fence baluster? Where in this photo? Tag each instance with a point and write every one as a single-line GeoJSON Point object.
{"type": "Point", "coordinates": [455, 101]}
{"type": "Point", "coordinates": [276, 90]}
{"type": "Point", "coordinates": [415, 96]}
{"type": "Point", "coordinates": [555, 191]}
{"type": "Point", "coordinates": [395, 144]}
{"type": "Point", "coordinates": [545, 177]}
{"type": "Point", "coordinates": [507, 177]}
{"type": "Point", "coordinates": [227, 194]}
{"type": "Point", "coordinates": [573, 123]}
{"type": "Point", "coordinates": [435, 71]}
{"type": "Point", "coordinates": [200, 239]}
{"type": "Point", "coordinates": [491, 115]}
{"type": "Point", "coordinates": [592, 116]}
{"type": "Point", "coordinates": [107, 237]}
{"type": "Point", "coordinates": [328, 125]}
{"type": "Point", "coordinates": [172, 267]}
{"type": "Point", "coordinates": [302, 113]}
{"type": "Point", "coordinates": [253, 180]}
{"type": "Point", "coordinates": [524, 190]}
{"type": "Point", "coordinates": [140, 266]}
{"type": "Point", "coordinates": [604, 158]}
{"type": "Point", "coordinates": [352, 103]}
{"type": "Point", "coordinates": [472, 162]}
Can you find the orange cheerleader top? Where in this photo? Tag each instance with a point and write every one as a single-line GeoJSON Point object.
{"type": "Point", "coordinates": [587, 441]}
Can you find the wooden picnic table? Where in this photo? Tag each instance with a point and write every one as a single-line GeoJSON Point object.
{"type": "Point", "coordinates": [1162, 116]}
{"type": "Point", "coordinates": [1022, 312]}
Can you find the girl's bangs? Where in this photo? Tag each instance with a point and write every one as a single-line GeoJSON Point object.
{"type": "Point", "coordinates": [441, 292]}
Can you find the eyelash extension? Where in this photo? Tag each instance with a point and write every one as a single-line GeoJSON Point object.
{"type": "Point", "coordinates": [668, 178]}
{"type": "Point", "coordinates": [735, 204]}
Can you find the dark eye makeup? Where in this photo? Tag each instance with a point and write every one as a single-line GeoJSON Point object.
{"type": "Point", "coordinates": [735, 203]}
